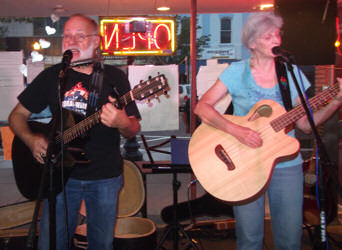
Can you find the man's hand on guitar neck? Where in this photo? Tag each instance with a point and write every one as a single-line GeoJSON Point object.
{"type": "Point", "coordinates": [116, 118]}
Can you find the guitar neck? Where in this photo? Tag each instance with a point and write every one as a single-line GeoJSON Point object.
{"type": "Point", "coordinates": [298, 112]}
{"type": "Point", "coordinates": [92, 120]}
{"type": "Point", "coordinates": [139, 92]}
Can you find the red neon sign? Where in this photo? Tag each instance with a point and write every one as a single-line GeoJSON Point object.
{"type": "Point", "coordinates": [128, 36]}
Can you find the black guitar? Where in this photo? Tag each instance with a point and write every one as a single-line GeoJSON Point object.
{"type": "Point", "coordinates": [28, 172]}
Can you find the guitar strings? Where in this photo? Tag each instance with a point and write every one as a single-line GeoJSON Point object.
{"type": "Point", "coordinates": [276, 125]}
{"type": "Point", "coordinates": [85, 124]}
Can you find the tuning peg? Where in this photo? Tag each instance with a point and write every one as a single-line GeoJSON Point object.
{"type": "Point", "coordinates": [147, 101]}
{"type": "Point", "coordinates": [164, 92]}
{"type": "Point", "coordinates": [156, 97]}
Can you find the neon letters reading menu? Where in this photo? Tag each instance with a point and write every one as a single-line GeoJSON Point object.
{"type": "Point", "coordinates": [137, 36]}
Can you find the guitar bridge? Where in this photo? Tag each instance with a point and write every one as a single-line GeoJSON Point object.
{"type": "Point", "coordinates": [223, 156]}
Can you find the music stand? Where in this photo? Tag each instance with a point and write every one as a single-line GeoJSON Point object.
{"type": "Point", "coordinates": [179, 164]}
{"type": "Point", "coordinates": [174, 226]}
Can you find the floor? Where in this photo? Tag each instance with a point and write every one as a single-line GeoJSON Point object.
{"type": "Point", "coordinates": [212, 232]}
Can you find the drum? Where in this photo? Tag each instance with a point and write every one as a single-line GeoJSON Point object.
{"type": "Point", "coordinates": [130, 232]}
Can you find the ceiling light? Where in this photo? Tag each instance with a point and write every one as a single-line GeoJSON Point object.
{"type": "Point", "coordinates": [36, 57]}
{"type": "Point", "coordinates": [163, 6]}
{"type": "Point", "coordinates": [23, 69]}
{"type": "Point", "coordinates": [54, 18]}
{"type": "Point", "coordinates": [266, 6]}
{"type": "Point", "coordinates": [59, 8]}
{"type": "Point", "coordinates": [44, 44]}
{"type": "Point", "coordinates": [36, 46]}
{"type": "Point", "coordinates": [49, 30]}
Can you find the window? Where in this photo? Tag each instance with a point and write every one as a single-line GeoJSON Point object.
{"type": "Point", "coordinates": [39, 24]}
{"type": "Point", "coordinates": [225, 30]}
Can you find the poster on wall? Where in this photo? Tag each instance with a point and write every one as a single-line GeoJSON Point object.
{"type": "Point", "coordinates": [11, 81]}
{"type": "Point", "coordinates": [206, 77]}
{"type": "Point", "coordinates": [162, 113]}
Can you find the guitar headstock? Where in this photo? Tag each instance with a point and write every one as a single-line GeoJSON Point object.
{"type": "Point", "coordinates": [152, 86]}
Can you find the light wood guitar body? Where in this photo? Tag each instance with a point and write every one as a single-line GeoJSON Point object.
{"type": "Point", "coordinates": [236, 173]}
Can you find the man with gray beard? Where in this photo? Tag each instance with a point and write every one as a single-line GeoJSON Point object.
{"type": "Point", "coordinates": [99, 179]}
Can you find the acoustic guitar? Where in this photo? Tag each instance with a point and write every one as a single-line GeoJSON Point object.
{"type": "Point", "coordinates": [28, 172]}
{"type": "Point", "coordinates": [236, 173]}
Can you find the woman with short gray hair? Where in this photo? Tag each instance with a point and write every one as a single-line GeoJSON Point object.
{"type": "Point", "coordinates": [251, 82]}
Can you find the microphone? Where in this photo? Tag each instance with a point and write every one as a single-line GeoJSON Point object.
{"type": "Point", "coordinates": [66, 60]}
{"type": "Point", "coordinates": [287, 56]}
{"type": "Point", "coordinates": [67, 56]}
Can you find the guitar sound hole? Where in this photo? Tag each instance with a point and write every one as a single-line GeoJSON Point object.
{"type": "Point", "coordinates": [262, 111]}
{"type": "Point", "coordinates": [223, 156]}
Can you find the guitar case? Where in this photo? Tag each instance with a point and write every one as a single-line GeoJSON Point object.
{"type": "Point", "coordinates": [130, 232]}
{"type": "Point", "coordinates": [206, 205]}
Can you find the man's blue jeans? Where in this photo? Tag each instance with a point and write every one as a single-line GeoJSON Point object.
{"type": "Point", "coordinates": [285, 195]}
{"type": "Point", "coordinates": [100, 198]}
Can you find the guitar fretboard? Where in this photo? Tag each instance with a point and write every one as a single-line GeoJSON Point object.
{"type": "Point", "coordinates": [89, 122]}
{"type": "Point", "coordinates": [139, 92]}
{"type": "Point", "coordinates": [298, 112]}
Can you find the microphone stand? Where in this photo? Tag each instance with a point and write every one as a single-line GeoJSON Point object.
{"type": "Point", "coordinates": [323, 156]}
{"type": "Point", "coordinates": [49, 166]}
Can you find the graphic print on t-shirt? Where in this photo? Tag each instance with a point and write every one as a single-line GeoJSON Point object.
{"type": "Point", "coordinates": [76, 99]}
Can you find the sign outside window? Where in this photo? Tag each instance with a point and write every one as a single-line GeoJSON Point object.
{"type": "Point", "coordinates": [127, 36]}
{"type": "Point", "coordinates": [227, 52]}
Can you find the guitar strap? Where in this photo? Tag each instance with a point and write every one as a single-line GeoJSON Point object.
{"type": "Point", "coordinates": [283, 83]}
{"type": "Point", "coordinates": [95, 88]}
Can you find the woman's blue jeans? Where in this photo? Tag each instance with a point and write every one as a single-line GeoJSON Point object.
{"type": "Point", "coordinates": [100, 198]}
{"type": "Point", "coordinates": [285, 195]}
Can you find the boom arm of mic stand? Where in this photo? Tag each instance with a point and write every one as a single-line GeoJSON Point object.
{"type": "Point", "coordinates": [323, 157]}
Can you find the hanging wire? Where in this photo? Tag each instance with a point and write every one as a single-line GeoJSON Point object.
{"type": "Point", "coordinates": [108, 7]}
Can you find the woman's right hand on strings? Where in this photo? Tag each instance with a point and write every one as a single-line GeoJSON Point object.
{"type": "Point", "coordinates": [248, 137]}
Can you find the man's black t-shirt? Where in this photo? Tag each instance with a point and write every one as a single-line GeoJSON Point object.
{"type": "Point", "coordinates": [103, 147]}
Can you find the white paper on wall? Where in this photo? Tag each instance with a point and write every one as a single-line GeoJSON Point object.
{"type": "Point", "coordinates": [206, 77]}
{"type": "Point", "coordinates": [33, 69]}
{"type": "Point", "coordinates": [11, 81]}
{"type": "Point", "coordinates": [163, 114]}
